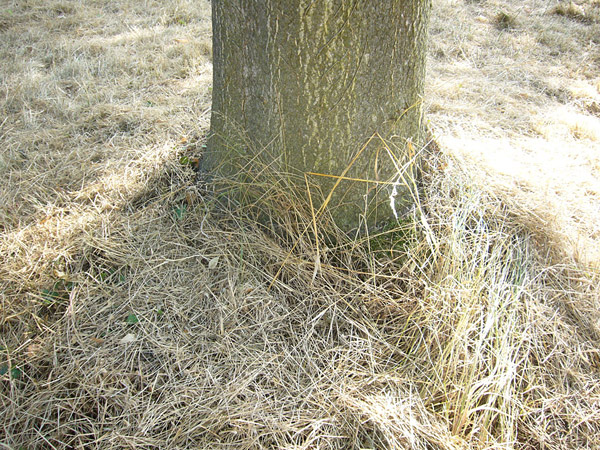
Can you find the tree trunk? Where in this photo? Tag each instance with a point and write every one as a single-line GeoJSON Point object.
{"type": "Point", "coordinates": [307, 83]}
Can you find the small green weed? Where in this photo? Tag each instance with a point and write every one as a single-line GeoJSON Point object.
{"type": "Point", "coordinates": [131, 319]}
{"type": "Point", "coordinates": [112, 275]}
{"type": "Point", "coordinates": [15, 372]}
{"type": "Point", "coordinates": [57, 293]}
{"type": "Point", "coordinates": [179, 212]}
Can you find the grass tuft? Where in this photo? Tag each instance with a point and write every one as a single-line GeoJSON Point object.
{"type": "Point", "coordinates": [586, 13]}
{"type": "Point", "coordinates": [505, 21]}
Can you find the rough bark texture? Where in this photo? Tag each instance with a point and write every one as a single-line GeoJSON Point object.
{"type": "Point", "coordinates": [308, 82]}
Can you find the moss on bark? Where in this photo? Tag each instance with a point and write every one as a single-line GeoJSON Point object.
{"type": "Point", "coordinates": [305, 85]}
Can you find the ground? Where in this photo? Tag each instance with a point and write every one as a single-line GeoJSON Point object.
{"type": "Point", "coordinates": [515, 87]}
{"type": "Point", "coordinates": [141, 309]}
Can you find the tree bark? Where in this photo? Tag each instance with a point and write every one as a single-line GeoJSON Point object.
{"type": "Point", "coordinates": [312, 85]}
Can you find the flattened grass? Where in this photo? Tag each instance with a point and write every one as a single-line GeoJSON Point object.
{"type": "Point", "coordinates": [143, 308]}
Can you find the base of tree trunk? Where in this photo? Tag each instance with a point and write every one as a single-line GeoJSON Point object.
{"type": "Point", "coordinates": [330, 91]}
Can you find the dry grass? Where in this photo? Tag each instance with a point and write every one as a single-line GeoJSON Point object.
{"type": "Point", "coordinates": [144, 309]}
{"type": "Point", "coordinates": [586, 11]}
{"type": "Point", "coordinates": [522, 102]}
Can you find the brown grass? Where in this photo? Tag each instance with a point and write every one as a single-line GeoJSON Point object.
{"type": "Point", "coordinates": [142, 308]}
{"type": "Point", "coordinates": [586, 11]}
{"type": "Point", "coordinates": [521, 103]}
